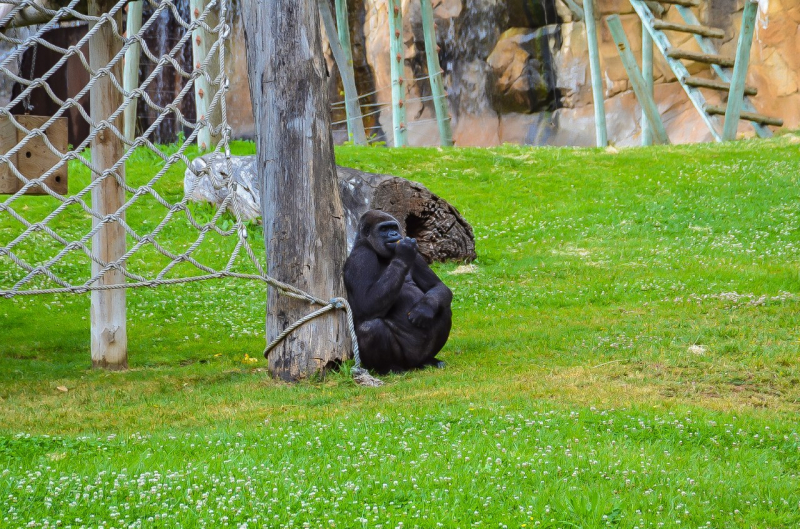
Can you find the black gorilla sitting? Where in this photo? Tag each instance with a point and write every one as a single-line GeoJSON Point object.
{"type": "Point", "coordinates": [401, 309]}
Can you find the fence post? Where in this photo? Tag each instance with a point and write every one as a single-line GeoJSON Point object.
{"type": "Point", "coordinates": [355, 123]}
{"type": "Point", "coordinates": [597, 77]}
{"type": "Point", "coordinates": [343, 30]}
{"type": "Point", "coordinates": [736, 93]}
{"type": "Point", "coordinates": [108, 311]}
{"type": "Point", "coordinates": [204, 92]}
{"type": "Point", "coordinates": [397, 60]}
{"type": "Point", "coordinates": [647, 73]}
{"type": "Point", "coordinates": [132, 55]}
{"type": "Point", "coordinates": [435, 74]}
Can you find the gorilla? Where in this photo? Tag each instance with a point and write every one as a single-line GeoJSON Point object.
{"type": "Point", "coordinates": [401, 309]}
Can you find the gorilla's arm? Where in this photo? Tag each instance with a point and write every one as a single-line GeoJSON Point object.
{"type": "Point", "coordinates": [437, 295]}
{"type": "Point", "coordinates": [373, 293]}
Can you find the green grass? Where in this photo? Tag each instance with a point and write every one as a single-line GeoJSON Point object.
{"type": "Point", "coordinates": [624, 354]}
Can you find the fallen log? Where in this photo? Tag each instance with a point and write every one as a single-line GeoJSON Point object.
{"type": "Point", "coordinates": [441, 232]}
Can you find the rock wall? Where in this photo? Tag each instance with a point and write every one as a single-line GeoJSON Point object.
{"type": "Point", "coordinates": [516, 71]}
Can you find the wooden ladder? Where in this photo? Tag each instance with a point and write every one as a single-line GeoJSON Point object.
{"type": "Point", "coordinates": [731, 72]}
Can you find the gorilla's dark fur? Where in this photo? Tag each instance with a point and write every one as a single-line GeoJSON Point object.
{"type": "Point", "coordinates": [400, 307]}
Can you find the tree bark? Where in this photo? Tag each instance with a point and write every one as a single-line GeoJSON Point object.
{"type": "Point", "coordinates": [302, 212]}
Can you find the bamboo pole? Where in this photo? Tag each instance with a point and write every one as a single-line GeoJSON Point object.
{"type": "Point", "coordinates": [597, 80]}
{"type": "Point", "coordinates": [637, 81]}
{"type": "Point", "coordinates": [108, 311]}
{"type": "Point", "coordinates": [204, 91]}
{"type": "Point", "coordinates": [355, 123]}
{"type": "Point", "coordinates": [647, 73]}
{"type": "Point", "coordinates": [436, 75]}
{"type": "Point", "coordinates": [397, 61]}
{"type": "Point", "coordinates": [736, 95]}
{"type": "Point", "coordinates": [132, 56]}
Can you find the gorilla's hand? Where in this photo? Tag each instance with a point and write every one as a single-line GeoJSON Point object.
{"type": "Point", "coordinates": [407, 250]}
{"type": "Point", "coordinates": [422, 315]}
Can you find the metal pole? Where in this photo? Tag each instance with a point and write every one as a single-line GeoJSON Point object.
{"type": "Point", "coordinates": [736, 94]}
{"type": "Point", "coordinates": [597, 79]}
{"type": "Point", "coordinates": [435, 72]}
{"type": "Point", "coordinates": [647, 73]}
{"type": "Point", "coordinates": [397, 61]}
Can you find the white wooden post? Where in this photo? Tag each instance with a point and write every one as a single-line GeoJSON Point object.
{"type": "Point", "coordinates": [398, 62]}
{"type": "Point", "coordinates": [108, 311]}
{"type": "Point", "coordinates": [204, 92]}
{"type": "Point", "coordinates": [132, 55]}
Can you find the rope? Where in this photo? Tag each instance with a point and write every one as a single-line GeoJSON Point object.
{"type": "Point", "coordinates": [40, 267]}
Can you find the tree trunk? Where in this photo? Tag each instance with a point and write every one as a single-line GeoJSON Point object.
{"type": "Point", "coordinates": [302, 212]}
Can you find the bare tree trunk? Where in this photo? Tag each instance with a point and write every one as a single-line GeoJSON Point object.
{"type": "Point", "coordinates": [302, 212]}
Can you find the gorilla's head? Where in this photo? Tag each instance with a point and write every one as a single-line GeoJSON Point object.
{"type": "Point", "coordinates": [381, 230]}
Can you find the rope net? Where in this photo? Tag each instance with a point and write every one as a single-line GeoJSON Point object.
{"type": "Point", "coordinates": [51, 244]}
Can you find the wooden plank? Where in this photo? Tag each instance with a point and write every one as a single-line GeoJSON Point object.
{"type": "Point", "coordinates": [435, 74]}
{"type": "Point", "coordinates": [685, 3]}
{"type": "Point", "coordinates": [637, 81]}
{"type": "Point", "coordinates": [204, 91]}
{"type": "Point", "coordinates": [724, 73]}
{"type": "Point", "coordinates": [355, 122]}
{"type": "Point", "coordinates": [601, 132]}
{"type": "Point", "coordinates": [131, 76]}
{"type": "Point", "coordinates": [736, 94]}
{"type": "Point", "coordinates": [662, 43]}
{"type": "Point", "coordinates": [9, 183]}
{"type": "Point", "coordinates": [701, 82]}
{"type": "Point", "coordinates": [35, 158]}
{"type": "Point", "coordinates": [746, 116]}
{"type": "Point", "coordinates": [712, 33]}
{"type": "Point", "coordinates": [700, 57]}
{"type": "Point", "coordinates": [108, 310]}
{"type": "Point", "coordinates": [397, 62]}
{"type": "Point", "coordinates": [647, 74]}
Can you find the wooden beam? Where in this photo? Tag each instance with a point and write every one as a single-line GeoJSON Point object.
{"type": "Point", "coordinates": [647, 74]}
{"type": "Point", "coordinates": [132, 56]}
{"type": "Point", "coordinates": [204, 91]}
{"type": "Point", "coordinates": [724, 73]}
{"type": "Point", "coordinates": [746, 116]}
{"type": "Point", "coordinates": [685, 3]}
{"type": "Point", "coordinates": [662, 43]}
{"type": "Point", "coordinates": [355, 122]}
{"type": "Point", "coordinates": [712, 33]}
{"type": "Point", "coordinates": [436, 75]}
{"type": "Point", "coordinates": [343, 31]}
{"type": "Point", "coordinates": [397, 62]}
{"type": "Point", "coordinates": [701, 82]}
{"type": "Point", "coordinates": [32, 15]}
{"type": "Point", "coordinates": [700, 57]}
{"type": "Point", "coordinates": [637, 81]}
{"type": "Point", "coordinates": [600, 131]}
{"type": "Point", "coordinates": [736, 94]}
{"type": "Point", "coordinates": [108, 311]}
{"type": "Point", "coordinates": [302, 212]}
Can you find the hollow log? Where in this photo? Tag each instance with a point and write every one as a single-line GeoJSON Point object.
{"type": "Point", "coordinates": [441, 232]}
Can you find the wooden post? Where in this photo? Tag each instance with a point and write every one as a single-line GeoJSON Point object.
{"type": "Point", "coordinates": [397, 60]}
{"type": "Point", "coordinates": [435, 74]}
{"type": "Point", "coordinates": [343, 30]}
{"type": "Point", "coordinates": [302, 213]}
{"type": "Point", "coordinates": [204, 92]}
{"type": "Point", "coordinates": [132, 56]}
{"type": "Point", "coordinates": [647, 73]}
{"type": "Point", "coordinates": [637, 81]}
{"type": "Point", "coordinates": [736, 94]}
{"type": "Point", "coordinates": [355, 123]}
{"type": "Point", "coordinates": [108, 312]}
{"type": "Point", "coordinates": [597, 77]}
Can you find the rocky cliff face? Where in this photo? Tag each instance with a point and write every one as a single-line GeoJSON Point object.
{"type": "Point", "coordinates": [516, 71]}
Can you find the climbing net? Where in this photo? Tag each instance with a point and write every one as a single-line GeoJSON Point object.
{"type": "Point", "coordinates": [123, 187]}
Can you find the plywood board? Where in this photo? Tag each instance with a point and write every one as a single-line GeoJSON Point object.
{"type": "Point", "coordinates": [34, 159]}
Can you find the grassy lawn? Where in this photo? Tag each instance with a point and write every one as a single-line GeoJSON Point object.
{"type": "Point", "coordinates": [624, 354]}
